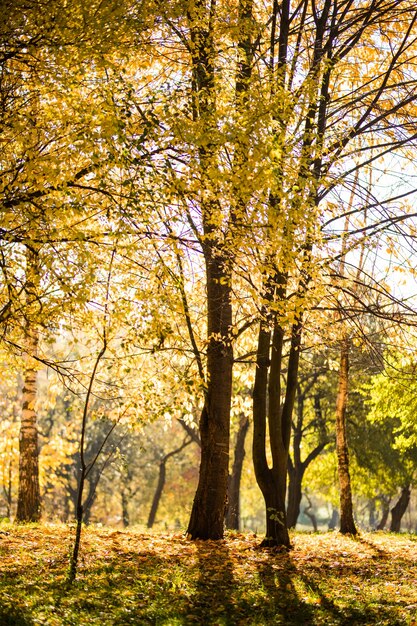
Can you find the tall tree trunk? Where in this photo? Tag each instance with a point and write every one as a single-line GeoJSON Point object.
{"type": "Point", "coordinates": [29, 499]}
{"type": "Point", "coordinates": [208, 511]}
{"type": "Point", "coordinates": [399, 509]}
{"type": "Point", "coordinates": [233, 505]}
{"type": "Point", "coordinates": [347, 524]}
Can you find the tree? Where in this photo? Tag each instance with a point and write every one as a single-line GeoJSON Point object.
{"type": "Point", "coordinates": [161, 480]}
{"type": "Point", "coordinates": [29, 498]}
{"type": "Point", "coordinates": [310, 428]}
{"type": "Point", "coordinates": [233, 504]}
{"type": "Point", "coordinates": [313, 158]}
{"type": "Point", "coordinates": [391, 401]}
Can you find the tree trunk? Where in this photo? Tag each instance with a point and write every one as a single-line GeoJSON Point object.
{"type": "Point", "coordinates": [29, 499]}
{"type": "Point", "coordinates": [158, 492]}
{"type": "Point", "coordinates": [272, 481]}
{"type": "Point", "coordinates": [125, 510]}
{"type": "Point", "coordinates": [333, 521]}
{"type": "Point", "coordinates": [276, 533]}
{"type": "Point", "coordinates": [372, 511]}
{"type": "Point", "coordinates": [347, 524]}
{"type": "Point", "coordinates": [385, 513]}
{"type": "Point", "coordinates": [399, 509]}
{"type": "Point", "coordinates": [308, 510]}
{"type": "Point", "coordinates": [233, 505]}
{"type": "Point", "coordinates": [161, 480]}
{"type": "Point", "coordinates": [295, 475]}
{"type": "Point", "coordinates": [207, 514]}
{"type": "Point", "coordinates": [297, 467]}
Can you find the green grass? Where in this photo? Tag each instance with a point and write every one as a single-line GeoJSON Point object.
{"type": "Point", "coordinates": [132, 578]}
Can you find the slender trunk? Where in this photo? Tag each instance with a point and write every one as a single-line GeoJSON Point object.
{"type": "Point", "coordinates": [84, 469]}
{"type": "Point", "coordinates": [308, 510]}
{"type": "Point", "coordinates": [233, 506]}
{"type": "Point", "coordinates": [295, 479]}
{"type": "Point", "coordinates": [91, 497]}
{"type": "Point", "coordinates": [297, 467]}
{"type": "Point", "coordinates": [266, 405]}
{"type": "Point", "coordinates": [125, 510]}
{"type": "Point", "coordinates": [372, 511]}
{"type": "Point", "coordinates": [347, 524]}
{"type": "Point", "coordinates": [7, 490]}
{"type": "Point", "coordinates": [158, 492]}
{"type": "Point", "coordinates": [29, 499]}
{"type": "Point", "coordinates": [333, 521]}
{"type": "Point", "coordinates": [385, 512]}
{"type": "Point", "coordinates": [399, 509]}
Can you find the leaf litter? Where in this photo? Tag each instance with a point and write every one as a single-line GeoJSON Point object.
{"type": "Point", "coordinates": [131, 577]}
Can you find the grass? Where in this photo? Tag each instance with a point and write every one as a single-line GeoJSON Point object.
{"type": "Point", "coordinates": [126, 577]}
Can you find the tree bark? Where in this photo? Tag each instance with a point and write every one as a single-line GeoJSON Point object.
{"type": "Point", "coordinates": [399, 509]}
{"type": "Point", "coordinates": [233, 505]}
{"type": "Point", "coordinates": [347, 524]}
{"type": "Point", "coordinates": [29, 499]}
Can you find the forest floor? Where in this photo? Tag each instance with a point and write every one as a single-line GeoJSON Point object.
{"type": "Point", "coordinates": [127, 577]}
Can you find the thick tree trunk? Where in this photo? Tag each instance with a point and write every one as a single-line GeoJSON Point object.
{"type": "Point", "coordinates": [207, 515]}
{"type": "Point", "coordinates": [347, 524]}
{"type": "Point", "coordinates": [276, 533]}
{"type": "Point", "coordinates": [399, 509]}
{"type": "Point", "coordinates": [29, 499]}
{"type": "Point", "coordinates": [233, 505]}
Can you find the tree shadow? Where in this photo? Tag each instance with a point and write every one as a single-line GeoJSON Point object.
{"type": "Point", "coordinates": [380, 553]}
{"type": "Point", "coordinates": [11, 616]}
{"type": "Point", "coordinates": [214, 599]}
{"type": "Point", "coordinates": [283, 604]}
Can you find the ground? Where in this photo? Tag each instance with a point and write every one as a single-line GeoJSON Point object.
{"type": "Point", "coordinates": [128, 577]}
